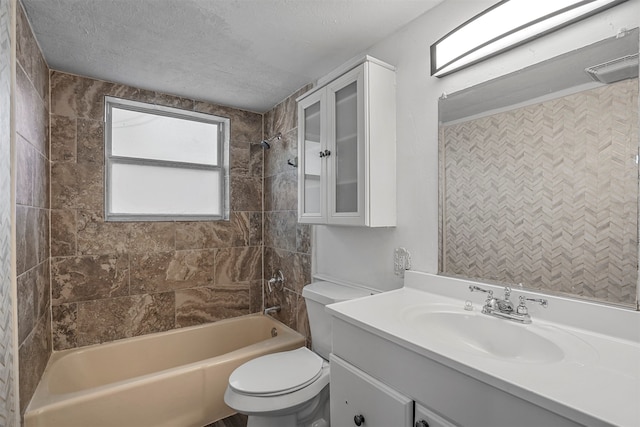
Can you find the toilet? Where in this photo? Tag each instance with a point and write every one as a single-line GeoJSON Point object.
{"type": "Point", "coordinates": [291, 388]}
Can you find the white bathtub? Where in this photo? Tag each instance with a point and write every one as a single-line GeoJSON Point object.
{"type": "Point", "coordinates": [171, 379]}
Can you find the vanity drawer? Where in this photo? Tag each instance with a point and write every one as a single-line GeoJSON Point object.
{"type": "Point", "coordinates": [359, 399]}
{"type": "Point", "coordinates": [427, 418]}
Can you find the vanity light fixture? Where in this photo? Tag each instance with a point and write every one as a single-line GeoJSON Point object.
{"type": "Point", "coordinates": [505, 25]}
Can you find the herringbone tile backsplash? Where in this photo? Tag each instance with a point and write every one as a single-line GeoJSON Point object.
{"type": "Point", "coordinates": [546, 195]}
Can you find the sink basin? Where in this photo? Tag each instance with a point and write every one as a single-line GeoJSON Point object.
{"type": "Point", "coordinates": [484, 335]}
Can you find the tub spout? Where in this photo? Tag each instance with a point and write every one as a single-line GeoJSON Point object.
{"type": "Point", "coordinates": [271, 310]}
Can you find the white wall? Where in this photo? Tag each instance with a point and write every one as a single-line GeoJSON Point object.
{"type": "Point", "coordinates": [365, 256]}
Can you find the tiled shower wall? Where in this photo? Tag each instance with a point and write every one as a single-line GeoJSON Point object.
{"type": "Point", "coordinates": [287, 244]}
{"type": "Point", "coordinates": [32, 209]}
{"type": "Point", "coordinates": [112, 280]}
{"type": "Point", "coordinates": [7, 305]}
{"type": "Point", "coordinates": [546, 195]}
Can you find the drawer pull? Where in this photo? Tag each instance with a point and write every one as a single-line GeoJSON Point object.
{"type": "Point", "coordinates": [358, 419]}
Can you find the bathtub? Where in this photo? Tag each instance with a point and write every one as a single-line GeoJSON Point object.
{"type": "Point", "coordinates": [171, 379]}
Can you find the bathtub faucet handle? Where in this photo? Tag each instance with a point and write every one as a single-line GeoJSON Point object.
{"type": "Point", "coordinates": [276, 280]}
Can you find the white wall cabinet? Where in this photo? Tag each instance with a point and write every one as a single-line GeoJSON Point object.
{"type": "Point", "coordinates": [347, 148]}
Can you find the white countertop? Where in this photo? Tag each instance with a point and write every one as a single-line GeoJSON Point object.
{"type": "Point", "coordinates": [599, 375]}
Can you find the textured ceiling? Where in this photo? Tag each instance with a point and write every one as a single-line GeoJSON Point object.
{"type": "Point", "coordinates": [249, 54]}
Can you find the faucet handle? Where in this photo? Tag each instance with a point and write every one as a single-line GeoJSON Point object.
{"type": "Point", "coordinates": [490, 302]}
{"type": "Point", "coordinates": [474, 288]}
{"type": "Point", "coordinates": [543, 302]}
{"type": "Point", "coordinates": [522, 307]}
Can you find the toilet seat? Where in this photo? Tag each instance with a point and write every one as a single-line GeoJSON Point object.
{"type": "Point", "coordinates": [277, 374]}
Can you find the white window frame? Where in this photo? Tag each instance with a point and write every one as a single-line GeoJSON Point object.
{"type": "Point", "coordinates": [222, 156]}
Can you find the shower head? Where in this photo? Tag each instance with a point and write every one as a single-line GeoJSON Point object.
{"type": "Point", "coordinates": [266, 143]}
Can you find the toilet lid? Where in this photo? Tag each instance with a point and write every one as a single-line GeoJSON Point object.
{"type": "Point", "coordinates": [277, 373]}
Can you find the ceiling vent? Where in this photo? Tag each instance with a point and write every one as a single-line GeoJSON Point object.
{"type": "Point", "coordinates": [615, 70]}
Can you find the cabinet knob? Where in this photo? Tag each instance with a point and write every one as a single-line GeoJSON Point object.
{"type": "Point", "coordinates": [359, 420]}
{"type": "Point", "coordinates": [327, 153]}
{"type": "Point", "coordinates": [421, 423]}
{"type": "Point", "coordinates": [322, 154]}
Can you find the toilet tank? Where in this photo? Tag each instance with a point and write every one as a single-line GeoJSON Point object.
{"type": "Point", "coordinates": [317, 295]}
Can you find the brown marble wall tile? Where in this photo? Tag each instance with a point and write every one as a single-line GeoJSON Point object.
{"type": "Point", "coordinates": [28, 55]}
{"type": "Point", "coordinates": [63, 232]}
{"type": "Point", "coordinates": [147, 237]}
{"type": "Point", "coordinates": [77, 186]}
{"type": "Point", "coordinates": [303, 238]}
{"type": "Point", "coordinates": [205, 304]}
{"type": "Point", "coordinates": [31, 115]}
{"type": "Point", "coordinates": [239, 158]}
{"type": "Point", "coordinates": [43, 289]}
{"type": "Point", "coordinates": [42, 234]}
{"type": "Point", "coordinates": [168, 271]}
{"type": "Point", "coordinates": [287, 243]}
{"type": "Point", "coordinates": [275, 161]}
{"type": "Point", "coordinates": [280, 229]}
{"type": "Point", "coordinates": [256, 220]}
{"type": "Point", "coordinates": [88, 278]}
{"type": "Point", "coordinates": [96, 237]}
{"type": "Point", "coordinates": [25, 173]}
{"type": "Point", "coordinates": [90, 141]}
{"type": "Point", "coordinates": [32, 212]}
{"type": "Point", "coordinates": [65, 322]}
{"type": "Point", "coordinates": [281, 191]}
{"type": "Point", "coordinates": [296, 267]}
{"type": "Point", "coordinates": [26, 284]}
{"type": "Point", "coordinates": [82, 97]}
{"type": "Point", "coordinates": [246, 193]}
{"type": "Point", "coordinates": [33, 355]}
{"type": "Point", "coordinates": [41, 182]}
{"type": "Point", "coordinates": [63, 93]}
{"type": "Point", "coordinates": [215, 234]}
{"type": "Point", "coordinates": [256, 159]}
{"type": "Point", "coordinates": [27, 238]}
{"type": "Point", "coordinates": [174, 101]}
{"type": "Point", "coordinates": [90, 97]}
{"type": "Point", "coordinates": [115, 318]}
{"type": "Point", "coordinates": [63, 139]}
{"type": "Point", "coordinates": [256, 296]}
{"type": "Point", "coordinates": [33, 298]}
{"type": "Point", "coordinates": [238, 265]}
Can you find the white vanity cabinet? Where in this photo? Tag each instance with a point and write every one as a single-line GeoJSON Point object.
{"type": "Point", "coordinates": [443, 396]}
{"type": "Point", "coordinates": [347, 147]}
{"type": "Point", "coordinates": [357, 399]}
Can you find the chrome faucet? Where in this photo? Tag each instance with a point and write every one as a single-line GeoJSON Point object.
{"type": "Point", "coordinates": [504, 308]}
{"type": "Point", "coordinates": [271, 310]}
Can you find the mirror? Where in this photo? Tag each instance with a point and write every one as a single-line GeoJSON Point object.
{"type": "Point", "coordinates": [539, 176]}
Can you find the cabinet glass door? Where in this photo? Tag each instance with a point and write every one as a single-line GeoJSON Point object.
{"type": "Point", "coordinates": [345, 141]}
{"type": "Point", "coordinates": [311, 161]}
{"type": "Point", "coordinates": [346, 149]}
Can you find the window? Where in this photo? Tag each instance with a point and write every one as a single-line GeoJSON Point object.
{"type": "Point", "coordinates": [164, 164]}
